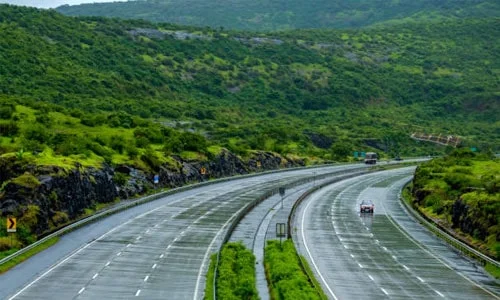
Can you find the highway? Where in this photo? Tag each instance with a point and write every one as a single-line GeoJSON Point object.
{"type": "Point", "coordinates": [386, 255]}
{"type": "Point", "coordinates": [159, 250]}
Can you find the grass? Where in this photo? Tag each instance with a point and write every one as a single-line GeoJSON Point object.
{"type": "Point", "coordinates": [209, 286]}
{"type": "Point", "coordinates": [287, 274]}
{"type": "Point", "coordinates": [19, 259]}
{"type": "Point", "coordinates": [492, 270]}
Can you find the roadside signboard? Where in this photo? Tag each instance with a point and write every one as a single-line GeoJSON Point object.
{"type": "Point", "coordinates": [156, 179]}
{"type": "Point", "coordinates": [11, 224]}
{"type": "Point", "coordinates": [280, 230]}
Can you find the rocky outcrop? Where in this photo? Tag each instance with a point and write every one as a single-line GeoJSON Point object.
{"type": "Point", "coordinates": [56, 192]}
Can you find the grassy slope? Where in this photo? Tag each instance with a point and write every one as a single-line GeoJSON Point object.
{"type": "Point", "coordinates": [461, 192]}
{"type": "Point", "coordinates": [356, 88]}
{"type": "Point", "coordinates": [286, 14]}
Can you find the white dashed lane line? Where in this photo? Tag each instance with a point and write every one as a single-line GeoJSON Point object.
{"type": "Point", "coordinates": [437, 292]}
{"type": "Point", "coordinates": [95, 275]}
{"type": "Point", "coordinates": [385, 292]}
{"type": "Point", "coordinates": [371, 277]}
{"type": "Point", "coordinates": [154, 266]}
{"type": "Point", "coordinates": [138, 293]}
{"type": "Point", "coordinates": [107, 264]}
{"type": "Point", "coordinates": [81, 290]}
{"type": "Point", "coordinates": [146, 278]}
{"type": "Point", "coordinates": [421, 280]}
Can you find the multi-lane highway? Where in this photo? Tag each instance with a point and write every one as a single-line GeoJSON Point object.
{"type": "Point", "coordinates": [159, 250]}
{"type": "Point", "coordinates": [381, 256]}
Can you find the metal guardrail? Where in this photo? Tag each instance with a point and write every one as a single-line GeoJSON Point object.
{"type": "Point", "coordinates": [140, 201]}
{"type": "Point", "coordinates": [447, 237]}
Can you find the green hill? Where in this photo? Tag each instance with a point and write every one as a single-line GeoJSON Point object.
{"type": "Point", "coordinates": [315, 93]}
{"type": "Point", "coordinates": [288, 14]}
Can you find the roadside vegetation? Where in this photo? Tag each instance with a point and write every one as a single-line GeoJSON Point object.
{"type": "Point", "coordinates": [19, 259]}
{"type": "Point", "coordinates": [235, 274]}
{"type": "Point", "coordinates": [287, 276]}
{"type": "Point", "coordinates": [461, 192]}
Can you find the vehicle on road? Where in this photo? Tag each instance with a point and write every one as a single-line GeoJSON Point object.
{"type": "Point", "coordinates": [370, 158]}
{"type": "Point", "coordinates": [366, 206]}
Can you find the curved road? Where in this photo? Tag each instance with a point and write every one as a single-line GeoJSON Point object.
{"type": "Point", "coordinates": [159, 250]}
{"type": "Point", "coordinates": [381, 256]}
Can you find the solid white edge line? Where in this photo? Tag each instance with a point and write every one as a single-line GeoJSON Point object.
{"type": "Point", "coordinates": [309, 252]}
{"type": "Point", "coordinates": [406, 268]}
{"type": "Point", "coordinates": [418, 244]}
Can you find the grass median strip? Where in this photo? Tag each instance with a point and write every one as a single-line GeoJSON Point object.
{"type": "Point", "coordinates": [287, 275]}
{"type": "Point", "coordinates": [17, 260]}
{"type": "Point", "coordinates": [235, 274]}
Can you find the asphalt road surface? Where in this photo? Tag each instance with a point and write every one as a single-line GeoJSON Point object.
{"type": "Point", "coordinates": [386, 255]}
{"type": "Point", "coordinates": [159, 250]}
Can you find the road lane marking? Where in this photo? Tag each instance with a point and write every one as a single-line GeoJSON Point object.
{"type": "Point", "coordinates": [437, 292]}
{"type": "Point", "coordinates": [406, 268]}
{"type": "Point", "coordinates": [95, 275]}
{"type": "Point", "coordinates": [118, 254]}
{"type": "Point", "coordinates": [154, 266]}
{"type": "Point", "coordinates": [385, 248]}
{"type": "Point", "coordinates": [138, 238]}
{"type": "Point", "coordinates": [309, 252]}
{"type": "Point", "coordinates": [78, 251]}
{"type": "Point", "coordinates": [137, 293]}
{"type": "Point", "coordinates": [107, 264]}
{"type": "Point", "coordinates": [147, 231]}
{"type": "Point", "coordinates": [410, 238]}
{"type": "Point", "coordinates": [360, 265]}
{"type": "Point", "coordinates": [161, 256]}
{"type": "Point", "coordinates": [81, 290]}
{"type": "Point", "coordinates": [352, 256]}
{"type": "Point", "coordinates": [345, 246]}
{"type": "Point", "coordinates": [385, 292]}
{"type": "Point", "coordinates": [128, 245]}
{"type": "Point", "coordinates": [421, 280]}
{"type": "Point", "coordinates": [371, 277]}
{"type": "Point", "coordinates": [395, 258]}
{"type": "Point", "coordinates": [168, 247]}
{"type": "Point", "coordinates": [371, 234]}
{"type": "Point", "coordinates": [146, 278]}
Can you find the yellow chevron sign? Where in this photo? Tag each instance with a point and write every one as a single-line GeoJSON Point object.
{"type": "Point", "coordinates": [11, 224]}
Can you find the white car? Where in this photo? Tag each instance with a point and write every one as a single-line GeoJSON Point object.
{"type": "Point", "coordinates": [366, 206]}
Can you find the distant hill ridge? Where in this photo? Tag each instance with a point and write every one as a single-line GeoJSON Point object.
{"type": "Point", "coordinates": [288, 14]}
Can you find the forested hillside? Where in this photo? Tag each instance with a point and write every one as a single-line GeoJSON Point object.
{"type": "Point", "coordinates": [310, 93]}
{"type": "Point", "coordinates": [288, 14]}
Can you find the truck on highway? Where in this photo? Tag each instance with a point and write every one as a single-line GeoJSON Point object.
{"type": "Point", "coordinates": [371, 158]}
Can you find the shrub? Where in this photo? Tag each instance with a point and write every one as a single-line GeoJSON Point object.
{"type": "Point", "coordinates": [286, 277]}
{"type": "Point", "coordinates": [236, 273]}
